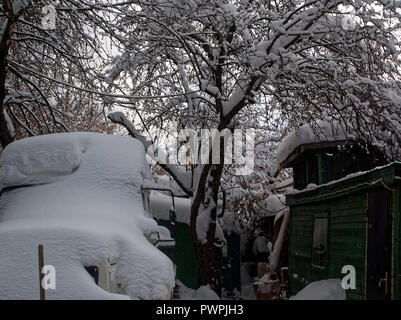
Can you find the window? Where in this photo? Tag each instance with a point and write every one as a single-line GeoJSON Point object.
{"type": "Point", "coordinates": [319, 251]}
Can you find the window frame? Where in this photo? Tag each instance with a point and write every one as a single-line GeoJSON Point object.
{"type": "Point", "coordinates": [326, 217]}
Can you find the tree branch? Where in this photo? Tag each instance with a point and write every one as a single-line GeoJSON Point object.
{"type": "Point", "coordinates": [180, 176]}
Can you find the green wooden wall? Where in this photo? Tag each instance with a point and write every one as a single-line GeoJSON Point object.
{"type": "Point", "coordinates": [345, 205]}
{"type": "Point", "coordinates": [187, 267]}
{"type": "Point", "coordinates": [346, 241]}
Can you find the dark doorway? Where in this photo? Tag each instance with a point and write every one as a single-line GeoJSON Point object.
{"type": "Point", "coordinates": [378, 286]}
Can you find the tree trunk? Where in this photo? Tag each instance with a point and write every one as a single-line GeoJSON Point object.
{"type": "Point", "coordinates": [208, 255]}
{"type": "Point", "coordinates": [5, 134]}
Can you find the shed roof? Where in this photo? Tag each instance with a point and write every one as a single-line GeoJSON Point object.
{"type": "Point", "coordinates": [291, 158]}
{"type": "Point", "coordinates": [388, 176]}
{"type": "Point", "coordinates": [320, 134]}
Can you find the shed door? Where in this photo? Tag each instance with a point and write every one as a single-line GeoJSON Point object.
{"type": "Point", "coordinates": [378, 286]}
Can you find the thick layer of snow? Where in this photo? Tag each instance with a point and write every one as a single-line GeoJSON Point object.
{"type": "Point", "coordinates": [84, 204]}
{"type": "Point", "coordinates": [40, 160]}
{"type": "Point", "coordinates": [330, 289]}
{"type": "Point", "coordinates": [321, 131]}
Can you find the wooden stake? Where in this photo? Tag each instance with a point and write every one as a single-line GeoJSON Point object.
{"type": "Point", "coordinates": [41, 275]}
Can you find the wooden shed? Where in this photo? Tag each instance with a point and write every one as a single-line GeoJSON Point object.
{"type": "Point", "coordinates": [344, 211]}
{"type": "Point", "coordinates": [355, 221]}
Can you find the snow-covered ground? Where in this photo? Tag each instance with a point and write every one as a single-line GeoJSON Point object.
{"type": "Point", "coordinates": [247, 291]}
{"type": "Point", "coordinates": [78, 194]}
{"type": "Point", "coordinates": [202, 293]}
{"type": "Point", "coordinates": [330, 289]}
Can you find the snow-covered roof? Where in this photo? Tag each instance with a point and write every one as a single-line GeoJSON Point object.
{"type": "Point", "coordinates": [161, 203]}
{"type": "Point", "coordinates": [84, 204]}
{"type": "Point", "coordinates": [321, 131]}
{"type": "Point", "coordinates": [312, 186]}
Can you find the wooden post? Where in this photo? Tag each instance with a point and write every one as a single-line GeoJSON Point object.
{"type": "Point", "coordinates": [41, 275]}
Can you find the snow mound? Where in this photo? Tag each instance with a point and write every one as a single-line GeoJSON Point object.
{"type": "Point", "coordinates": [202, 293]}
{"type": "Point", "coordinates": [78, 194]}
{"type": "Point", "coordinates": [330, 289]}
{"type": "Point", "coordinates": [323, 131]}
{"type": "Point", "coordinates": [205, 293]}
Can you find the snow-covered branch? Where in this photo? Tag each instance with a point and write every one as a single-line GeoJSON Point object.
{"type": "Point", "coordinates": [182, 177]}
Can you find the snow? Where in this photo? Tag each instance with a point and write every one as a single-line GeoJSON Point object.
{"type": "Point", "coordinates": [78, 194]}
{"type": "Point", "coordinates": [202, 227]}
{"type": "Point", "coordinates": [330, 289]}
{"type": "Point", "coordinates": [247, 291]}
{"type": "Point", "coordinates": [265, 285]}
{"type": "Point", "coordinates": [205, 293]}
{"type": "Point", "coordinates": [323, 131]}
{"type": "Point", "coordinates": [313, 186]}
{"type": "Point", "coordinates": [160, 204]}
{"type": "Point", "coordinates": [275, 254]}
{"type": "Point", "coordinates": [274, 204]}
{"type": "Point", "coordinates": [182, 177]}
{"type": "Point", "coordinates": [202, 293]}
{"type": "Point", "coordinates": [29, 161]}
{"type": "Point", "coordinates": [230, 222]}
{"type": "Point", "coordinates": [10, 125]}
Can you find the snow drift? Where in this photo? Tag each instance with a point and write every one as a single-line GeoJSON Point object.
{"type": "Point", "coordinates": [78, 194]}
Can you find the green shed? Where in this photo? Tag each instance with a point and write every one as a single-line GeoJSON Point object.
{"type": "Point", "coordinates": [184, 255]}
{"type": "Point", "coordinates": [346, 213]}
{"type": "Point", "coordinates": [351, 221]}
